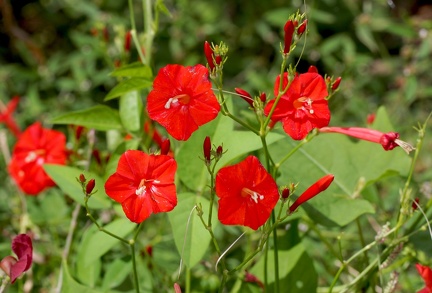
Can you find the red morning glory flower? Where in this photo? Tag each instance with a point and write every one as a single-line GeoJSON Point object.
{"type": "Point", "coordinates": [182, 99]}
{"type": "Point", "coordinates": [247, 193]}
{"type": "Point", "coordinates": [303, 106]}
{"type": "Point", "coordinates": [426, 273]}
{"type": "Point", "coordinates": [23, 248]}
{"type": "Point", "coordinates": [36, 146]}
{"type": "Point", "coordinates": [143, 184]}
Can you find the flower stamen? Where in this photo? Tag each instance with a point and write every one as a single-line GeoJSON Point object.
{"type": "Point", "coordinates": [255, 196]}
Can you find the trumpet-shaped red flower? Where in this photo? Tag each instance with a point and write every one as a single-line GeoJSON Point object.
{"type": "Point", "coordinates": [143, 184]}
{"type": "Point", "coordinates": [35, 147]}
{"type": "Point", "coordinates": [316, 188]}
{"type": "Point", "coordinates": [182, 99]}
{"type": "Point", "coordinates": [426, 273]}
{"type": "Point", "coordinates": [388, 140]}
{"type": "Point", "coordinates": [247, 193]}
{"type": "Point", "coordinates": [7, 118]}
{"type": "Point", "coordinates": [23, 248]}
{"type": "Point", "coordinates": [303, 106]}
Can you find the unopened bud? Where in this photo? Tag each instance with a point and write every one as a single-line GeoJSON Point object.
{"type": "Point", "coordinates": [289, 31]}
{"type": "Point", "coordinates": [82, 178]}
{"type": "Point", "coordinates": [245, 96]}
{"type": "Point", "coordinates": [177, 288]}
{"type": "Point", "coordinates": [219, 152]}
{"type": "Point", "coordinates": [263, 97]}
{"type": "Point", "coordinates": [285, 193]}
{"type": "Point", "coordinates": [207, 150]}
{"type": "Point", "coordinates": [127, 41]}
{"type": "Point", "coordinates": [302, 28]}
{"type": "Point", "coordinates": [415, 203]}
{"type": "Point", "coordinates": [90, 186]}
{"type": "Point", "coordinates": [165, 146]}
{"type": "Point", "coordinates": [336, 83]}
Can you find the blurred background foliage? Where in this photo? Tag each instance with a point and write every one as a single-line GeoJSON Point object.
{"type": "Point", "coordinates": [57, 56]}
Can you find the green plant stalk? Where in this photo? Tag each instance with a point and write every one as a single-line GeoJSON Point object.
{"type": "Point", "coordinates": [275, 254]}
{"type": "Point", "coordinates": [362, 240]}
{"type": "Point", "coordinates": [323, 239]}
{"type": "Point", "coordinates": [134, 33]}
{"type": "Point", "coordinates": [405, 193]}
{"type": "Point", "coordinates": [188, 280]}
{"type": "Point", "coordinates": [135, 273]}
{"type": "Point", "coordinates": [212, 193]}
{"type": "Point", "coordinates": [149, 29]}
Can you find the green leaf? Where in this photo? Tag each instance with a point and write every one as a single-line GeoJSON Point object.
{"type": "Point", "coordinates": [191, 168]}
{"type": "Point", "coordinates": [125, 86]}
{"type": "Point", "coordinates": [296, 270]}
{"type": "Point", "coordinates": [87, 274]}
{"type": "Point", "coordinates": [116, 273]}
{"type": "Point", "coordinates": [354, 164]}
{"type": "Point", "coordinates": [190, 236]}
{"type": "Point", "coordinates": [136, 69]}
{"type": "Point", "coordinates": [100, 243]}
{"type": "Point", "coordinates": [65, 178]}
{"type": "Point", "coordinates": [98, 117]}
{"type": "Point", "coordinates": [71, 286]}
{"type": "Point", "coordinates": [131, 108]}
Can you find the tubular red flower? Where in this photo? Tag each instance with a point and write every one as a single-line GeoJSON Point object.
{"type": "Point", "coordinates": [6, 116]}
{"type": "Point", "coordinates": [247, 194]}
{"type": "Point", "coordinates": [316, 188]}
{"type": "Point", "coordinates": [303, 106]}
{"type": "Point", "coordinates": [35, 147]}
{"type": "Point", "coordinates": [426, 273]}
{"type": "Point", "coordinates": [388, 140]}
{"type": "Point", "coordinates": [207, 150]}
{"type": "Point", "coordinates": [22, 246]}
{"type": "Point", "coordinates": [289, 31]}
{"type": "Point", "coordinates": [143, 184]}
{"type": "Point", "coordinates": [245, 96]}
{"type": "Point", "coordinates": [182, 99]}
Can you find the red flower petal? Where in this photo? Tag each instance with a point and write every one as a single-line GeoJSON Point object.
{"type": "Point", "coordinates": [143, 184]}
{"type": "Point", "coordinates": [182, 99]}
{"type": "Point", "coordinates": [247, 194]}
{"type": "Point", "coordinates": [23, 248]}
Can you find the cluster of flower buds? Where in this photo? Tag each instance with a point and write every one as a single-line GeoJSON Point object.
{"type": "Point", "coordinates": [209, 153]}
{"type": "Point", "coordinates": [333, 83]}
{"type": "Point", "coordinates": [87, 186]}
{"type": "Point", "coordinates": [216, 56]}
{"type": "Point", "coordinates": [296, 25]}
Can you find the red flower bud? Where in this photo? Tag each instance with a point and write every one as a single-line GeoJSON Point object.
{"type": "Point", "coordinates": [207, 150]}
{"type": "Point", "coordinates": [319, 186]}
{"type": "Point", "coordinates": [285, 193]}
{"type": "Point", "coordinates": [370, 118]}
{"type": "Point", "coordinates": [263, 97]}
{"type": "Point", "coordinates": [245, 96]}
{"type": "Point", "coordinates": [78, 132]}
{"type": "Point", "coordinates": [82, 178]}
{"type": "Point", "coordinates": [90, 186]}
{"type": "Point", "coordinates": [302, 28]}
{"type": "Point", "coordinates": [336, 83]}
{"type": "Point", "coordinates": [209, 54]}
{"type": "Point", "coordinates": [415, 203]}
{"type": "Point", "coordinates": [177, 288]}
{"type": "Point", "coordinates": [219, 151]}
{"type": "Point", "coordinates": [289, 31]}
{"type": "Point", "coordinates": [313, 69]}
{"type": "Point", "coordinates": [165, 146]}
{"type": "Point", "coordinates": [106, 34]}
{"type": "Point", "coordinates": [127, 41]}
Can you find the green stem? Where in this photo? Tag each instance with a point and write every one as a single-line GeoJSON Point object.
{"type": "Point", "coordinates": [276, 254]}
{"type": "Point", "coordinates": [134, 33]}
{"type": "Point", "coordinates": [362, 240]}
{"type": "Point", "coordinates": [149, 29]}
{"type": "Point", "coordinates": [135, 273]}
{"type": "Point", "coordinates": [188, 280]}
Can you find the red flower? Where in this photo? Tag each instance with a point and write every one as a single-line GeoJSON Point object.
{"type": "Point", "coordinates": [247, 194]}
{"type": "Point", "coordinates": [23, 248]}
{"type": "Point", "coordinates": [7, 118]}
{"type": "Point", "coordinates": [143, 184]}
{"type": "Point", "coordinates": [35, 147]}
{"type": "Point", "coordinates": [303, 106]}
{"type": "Point", "coordinates": [388, 140]}
{"type": "Point", "coordinates": [182, 99]}
{"type": "Point", "coordinates": [426, 273]}
{"type": "Point", "coordinates": [316, 188]}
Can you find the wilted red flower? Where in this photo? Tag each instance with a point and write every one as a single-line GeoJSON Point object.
{"type": "Point", "coordinates": [303, 106]}
{"type": "Point", "coordinates": [426, 273]}
{"type": "Point", "coordinates": [388, 140]}
{"type": "Point", "coordinates": [143, 184]}
{"type": "Point", "coordinates": [316, 188]}
{"type": "Point", "coordinates": [182, 99]}
{"type": "Point", "coordinates": [35, 147]}
{"type": "Point", "coordinates": [247, 193]}
{"type": "Point", "coordinates": [7, 118]}
{"type": "Point", "coordinates": [23, 248]}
